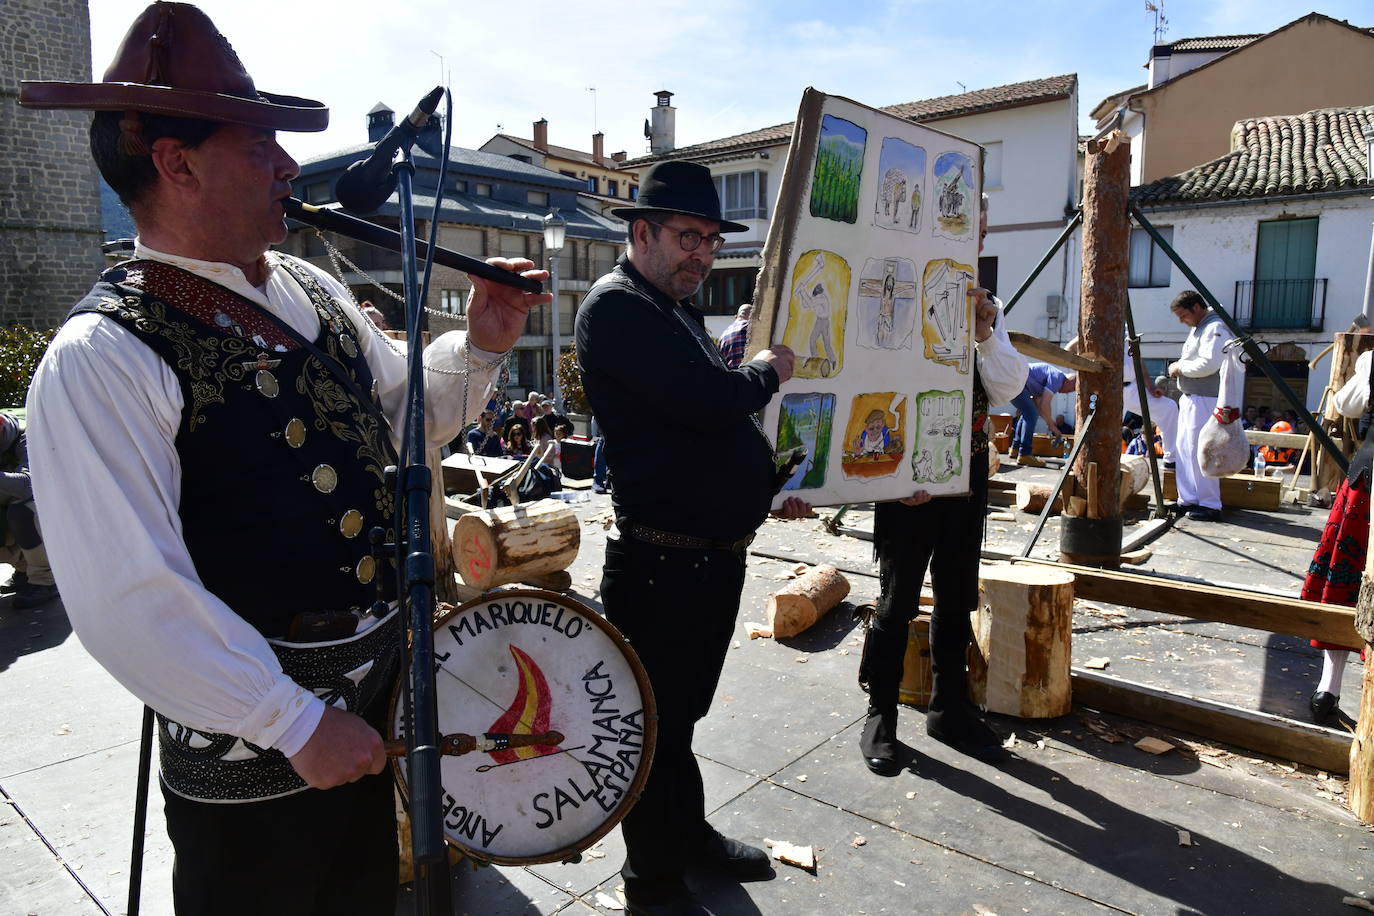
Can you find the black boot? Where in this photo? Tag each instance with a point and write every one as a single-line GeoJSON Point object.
{"type": "Point", "coordinates": [878, 744]}
{"type": "Point", "coordinates": [960, 725]}
{"type": "Point", "coordinates": [1323, 704]}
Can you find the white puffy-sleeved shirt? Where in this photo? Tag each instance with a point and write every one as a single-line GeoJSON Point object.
{"type": "Point", "coordinates": [103, 414]}
{"type": "Point", "coordinates": [1001, 368]}
{"type": "Point", "coordinates": [1353, 397]}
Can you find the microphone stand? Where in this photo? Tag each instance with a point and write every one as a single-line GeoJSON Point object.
{"type": "Point", "coordinates": [433, 889]}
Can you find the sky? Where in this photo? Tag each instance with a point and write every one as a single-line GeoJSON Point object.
{"type": "Point", "coordinates": [733, 65]}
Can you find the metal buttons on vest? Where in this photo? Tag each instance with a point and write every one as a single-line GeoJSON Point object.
{"type": "Point", "coordinates": [325, 478]}
{"type": "Point", "coordinates": [266, 383]}
{"type": "Point", "coordinates": [349, 346]}
{"type": "Point", "coordinates": [351, 525]}
{"type": "Point", "coordinates": [295, 433]}
{"type": "Point", "coordinates": [367, 568]}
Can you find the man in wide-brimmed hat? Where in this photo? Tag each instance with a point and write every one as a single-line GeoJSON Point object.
{"type": "Point", "coordinates": [675, 562]}
{"type": "Point", "coordinates": [221, 412]}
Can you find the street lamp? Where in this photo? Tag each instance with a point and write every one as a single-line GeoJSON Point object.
{"type": "Point", "coordinates": [555, 231]}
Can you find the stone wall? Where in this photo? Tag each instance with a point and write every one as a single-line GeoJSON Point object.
{"type": "Point", "coordinates": [50, 230]}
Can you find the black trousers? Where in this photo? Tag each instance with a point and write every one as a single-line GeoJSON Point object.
{"type": "Point", "coordinates": [946, 536]}
{"type": "Point", "coordinates": [677, 608]}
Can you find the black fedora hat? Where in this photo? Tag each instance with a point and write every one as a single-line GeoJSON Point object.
{"type": "Point", "coordinates": [175, 62]}
{"type": "Point", "coordinates": [678, 187]}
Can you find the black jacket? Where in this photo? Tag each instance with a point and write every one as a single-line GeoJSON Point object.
{"type": "Point", "coordinates": [682, 442]}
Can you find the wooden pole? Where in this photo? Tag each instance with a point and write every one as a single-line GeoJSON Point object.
{"type": "Point", "coordinates": [1093, 537]}
{"type": "Point", "coordinates": [1361, 792]}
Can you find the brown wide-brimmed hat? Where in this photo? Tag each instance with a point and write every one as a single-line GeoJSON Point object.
{"type": "Point", "coordinates": [678, 186]}
{"type": "Point", "coordinates": [175, 62]}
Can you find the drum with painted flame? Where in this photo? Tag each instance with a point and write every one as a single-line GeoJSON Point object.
{"type": "Point", "coordinates": [525, 661]}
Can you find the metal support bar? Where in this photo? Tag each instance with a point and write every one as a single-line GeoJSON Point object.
{"type": "Point", "coordinates": [1133, 350]}
{"type": "Point", "coordinates": [1080, 436]}
{"type": "Point", "coordinates": [1054, 249]}
{"type": "Point", "coordinates": [1251, 348]}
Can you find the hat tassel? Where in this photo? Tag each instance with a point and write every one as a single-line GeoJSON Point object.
{"type": "Point", "coordinates": [131, 142]}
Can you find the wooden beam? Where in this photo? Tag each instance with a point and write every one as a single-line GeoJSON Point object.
{"type": "Point", "coordinates": [1262, 732]}
{"type": "Point", "coordinates": [1239, 607]}
{"type": "Point", "coordinates": [1279, 440]}
{"type": "Point", "coordinates": [1040, 349]}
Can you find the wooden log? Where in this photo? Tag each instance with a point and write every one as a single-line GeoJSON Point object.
{"type": "Point", "coordinates": [1135, 474]}
{"type": "Point", "coordinates": [498, 546]}
{"type": "Point", "coordinates": [1361, 793]}
{"type": "Point", "coordinates": [1095, 538]}
{"type": "Point", "coordinates": [799, 604]}
{"type": "Point", "coordinates": [1262, 732]}
{"type": "Point", "coordinates": [1019, 663]}
{"type": "Point", "coordinates": [445, 570]}
{"type": "Point", "coordinates": [1238, 491]}
{"type": "Point", "coordinates": [1031, 497]}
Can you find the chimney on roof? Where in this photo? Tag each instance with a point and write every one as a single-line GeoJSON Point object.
{"type": "Point", "coordinates": [618, 157]}
{"type": "Point", "coordinates": [662, 127]}
{"type": "Point", "coordinates": [598, 147]}
{"type": "Point", "coordinates": [541, 135]}
{"type": "Point", "coordinates": [380, 120]}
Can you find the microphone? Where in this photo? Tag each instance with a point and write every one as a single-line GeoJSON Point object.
{"type": "Point", "coordinates": [364, 186]}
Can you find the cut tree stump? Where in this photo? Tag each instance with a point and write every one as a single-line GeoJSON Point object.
{"type": "Point", "coordinates": [800, 603]}
{"type": "Point", "coordinates": [511, 544]}
{"type": "Point", "coordinates": [1019, 661]}
{"type": "Point", "coordinates": [1135, 474]}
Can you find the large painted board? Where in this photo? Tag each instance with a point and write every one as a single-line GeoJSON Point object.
{"type": "Point", "coordinates": [870, 256]}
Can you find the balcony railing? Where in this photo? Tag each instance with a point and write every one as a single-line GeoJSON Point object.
{"type": "Point", "coordinates": [1281, 304]}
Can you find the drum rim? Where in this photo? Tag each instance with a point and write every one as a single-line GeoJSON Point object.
{"type": "Point", "coordinates": [636, 787]}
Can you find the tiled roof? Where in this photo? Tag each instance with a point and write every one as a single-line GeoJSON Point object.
{"type": "Point", "coordinates": [946, 106]}
{"type": "Point", "coordinates": [1322, 150]}
{"type": "Point", "coordinates": [1211, 43]}
{"type": "Point", "coordinates": [563, 152]}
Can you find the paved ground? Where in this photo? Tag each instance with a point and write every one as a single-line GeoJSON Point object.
{"type": "Point", "coordinates": [1072, 824]}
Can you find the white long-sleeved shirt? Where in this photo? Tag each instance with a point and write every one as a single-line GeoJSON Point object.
{"type": "Point", "coordinates": [1353, 397]}
{"type": "Point", "coordinates": [1001, 368]}
{"type": "Point", "coordinates": [1203, 349]}
{"type": "Point", "coordinates": [103, 413]}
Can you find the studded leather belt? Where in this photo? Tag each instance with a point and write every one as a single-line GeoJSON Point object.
{"type": "Point", "coordinates": [686, 541]}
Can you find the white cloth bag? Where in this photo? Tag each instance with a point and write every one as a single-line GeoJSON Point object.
{"type": "Point", "coordinates": [1222, 448]}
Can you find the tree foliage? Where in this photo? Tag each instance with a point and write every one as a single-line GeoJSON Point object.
{"type": "Point", "coordinates": [20, 350]}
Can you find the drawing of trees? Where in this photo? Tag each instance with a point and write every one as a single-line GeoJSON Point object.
{"type": "Point", "coordinates": [839, 168]}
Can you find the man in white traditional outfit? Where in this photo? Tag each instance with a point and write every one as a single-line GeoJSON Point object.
{"type": "Point", "coordinates": [1199, 378]}
{"type": "Point", "coordinates": [209, 433]}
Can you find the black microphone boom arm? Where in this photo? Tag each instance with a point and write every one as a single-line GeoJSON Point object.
{"type": "Point", "coordinates": [382, 237]}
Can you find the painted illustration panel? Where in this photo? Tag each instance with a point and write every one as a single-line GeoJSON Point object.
{"type": "Point", "coordinates": [865, 276]}
{"type": "Point", "coordinates": [956, 205]}
{"type": "Point", "coordinates": [839, 170]}
{"type": "Point", "coordinates": [938, 454]}
{"type": "Point", "coordinates": [875, 436]}
{"type": "Point", "coordinates": [805, 421]}
{"type": "Point", "coordinates": [816, 313]}
{"type": "Point", "coordinates": [887, 304]}
{"type": "Point", "coordinates": [901, 186]}
{"type": "Point", "coordinates": [947, 313]}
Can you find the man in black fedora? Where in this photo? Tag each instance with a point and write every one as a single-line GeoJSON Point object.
{"type": "Point", "coordinates": [225, 412]}
{"type": "Point", "coordinates": [674, 567]}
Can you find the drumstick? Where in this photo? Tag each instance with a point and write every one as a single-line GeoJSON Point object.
{"type": "Point", "coordinates": [459, 744]}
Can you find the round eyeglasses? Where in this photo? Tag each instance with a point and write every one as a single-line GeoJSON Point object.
{"type": "Point", "coordinates": [691, 240]}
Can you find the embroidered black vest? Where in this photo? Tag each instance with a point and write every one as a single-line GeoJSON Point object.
{"type": "Point", "coordinates": [282, 469]}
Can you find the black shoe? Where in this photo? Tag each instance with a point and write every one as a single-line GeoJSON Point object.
{"type": "Point", "coordinates": [1204, 514]}
{"type": "Point", "coordinates": [682, 905]}
{"type": "Point", "coordinates": [732, 858]}
{"type": "Point", "coordinates": [962, 728]}
{"type": "Point", "coordinates": [878, 744]}
{"type": "Point", "coordinates": [1169, 466]}
{"type": "Point", "coordinates": [1322, 705]}
{"type": "Point", "coordinates": [16, 582]}
{"type": "Point", "coordinates": [32, 596]}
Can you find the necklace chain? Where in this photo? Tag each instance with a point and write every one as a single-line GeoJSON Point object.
{"type": "Point", "coordinates": [336, 256]}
